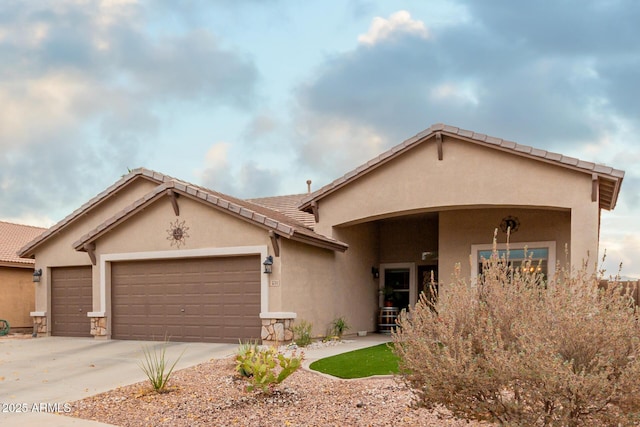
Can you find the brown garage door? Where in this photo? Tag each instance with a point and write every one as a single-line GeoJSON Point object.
{"type": "Point", "coordinates": [71, 301]}
{"type": "Point", "coordinates": [197, 299]}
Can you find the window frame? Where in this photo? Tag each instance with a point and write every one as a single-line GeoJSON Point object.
{"type": "Point", "coordinates": [549, 245]}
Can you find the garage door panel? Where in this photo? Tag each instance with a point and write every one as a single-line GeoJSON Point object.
{"type": "Point", "coordinates": [206, 299]}
{"type": "Point", "coordinates": [71, 300]}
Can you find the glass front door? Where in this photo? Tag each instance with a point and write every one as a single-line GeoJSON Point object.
{"type": "Point", "coordinates": [398, 285]}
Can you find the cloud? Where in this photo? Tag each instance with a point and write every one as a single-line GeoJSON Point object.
{"type": "Point", "coordinates": [399, 22]}
{"type": "Point", "coordinates": [88, 86]}
{"type": "Point", "coordinates": [622, 251]}
{"type": "Point", "coordinates": [331, 147]}
{"type": "Point", "coordinates": [239, 179]}
{"type": "Point", "coordinates": [260, 127]}
{"type": "Point", "coordinates": [487, 74]}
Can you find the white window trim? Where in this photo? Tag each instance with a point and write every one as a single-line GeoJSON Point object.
{"type": "Point", "coordinates": [413, 290]}
{"type": "Point", "coordinates": [550, 245]}
{"type": "Point", "coordinates": [260, 250]}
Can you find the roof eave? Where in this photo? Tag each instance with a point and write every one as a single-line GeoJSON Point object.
{"type": "Point", "coordinates": [478, 139]}
{"type": "Point", "coordinates": [28, 251]}
{"type": "Point", "coordinates": [371, 165]}
{"type": "Point", "coordinates": [325, 244]}
{"type": "Point", "coordinates": [253, 218]}
{"type": "Point", "coordinates": [14, 264]}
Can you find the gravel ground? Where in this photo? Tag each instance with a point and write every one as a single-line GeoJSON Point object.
{"type": "Point", "coordinates": [212, 394]}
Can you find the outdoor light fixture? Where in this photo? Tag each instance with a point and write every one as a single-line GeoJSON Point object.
{"type": "Point", "coordinates": [375, 272]}
{"type": "Point", "coordinates": [268, 264]}
{"type": "Point", "coordinates": [36, 275]}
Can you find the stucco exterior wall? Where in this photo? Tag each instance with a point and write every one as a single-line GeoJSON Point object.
{"type": "Point", "coordinates": [320, 285]}
{"type": "Point", "coordinates": [147, 231]}
{"type": "Point", "coordinates": [308, 285]}
{"type": "Point", "coordinates": [464, 228]}
{"type": "Point", "coordinates": [469, 176]}
{"type": "Point", "coordinates": [358, 297]}
{"type": "Point", "coordinates": [18, 292]}
{"type": "Point", "coordinates": [58, 250]}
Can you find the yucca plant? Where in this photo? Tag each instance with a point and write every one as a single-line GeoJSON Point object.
{"type": "Point", "coordinates": [155, 366]}
{"type": "Point", "coordinates": [339, 326]}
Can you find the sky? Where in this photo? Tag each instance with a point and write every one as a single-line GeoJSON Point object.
{"type": "Point", "coordinates": [252, 98]}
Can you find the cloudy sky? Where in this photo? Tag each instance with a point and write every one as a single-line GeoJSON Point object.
{"type": "Point", "coordinates": [253, 98]}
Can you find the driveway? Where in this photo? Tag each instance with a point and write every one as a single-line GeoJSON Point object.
{"type": "Point", "coordinates": [37, 376]}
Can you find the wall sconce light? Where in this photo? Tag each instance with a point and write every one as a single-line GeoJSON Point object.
{"type": "Point", "coordinates": [268, 265]}
{"type": "Point", "coordinates": [375, 272]}
{"type": "Point", "coordinates": [36, 275]}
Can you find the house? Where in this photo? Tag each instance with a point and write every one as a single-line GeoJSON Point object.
{"type": "Point", "coordinates": [154, 256]}
{"type": "Point", "coordinates": [16, 276]}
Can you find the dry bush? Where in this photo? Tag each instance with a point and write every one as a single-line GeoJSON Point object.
{"type": "Point", "coordinates": [517, 350]}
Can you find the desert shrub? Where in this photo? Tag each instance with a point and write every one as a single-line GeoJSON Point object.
{"type": "Point", "coordinates": [302, 333]}
{"type": "Point", "coordinates": [265, 367]}
{"type": "Point", "coordinates": [518, 350]}
{"type": "Point", "coordinates": [339, 326]}
{"type": "Point", "coordinates": [156, 367]}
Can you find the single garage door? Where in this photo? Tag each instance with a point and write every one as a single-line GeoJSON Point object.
{"type": "Point", "coordinates": [196, 299]}
{"type": "Point", "coordinates": [71, 301]}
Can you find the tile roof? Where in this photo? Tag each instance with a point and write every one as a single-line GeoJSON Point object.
{"type": "Point", "coordinates": [13, 237]}
{"type": "Point", "coordinates": [234, 203]}
{"type": "Point", "coordinates": [609, 180]}
{"type": "Point", "coordinates": [28, 249]}
{"type": "Point", "coordinates": [287, 205]}
{"type": "Point", "coordinates": [259, 215]}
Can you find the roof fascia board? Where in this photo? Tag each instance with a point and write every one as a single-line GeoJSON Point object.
{"type": "Point", "coordinates": [216, 202]}
{"type": "Point", "coordinates": [25, 265]}
{"type": "Point", "coordinates": [118, 219]}
{"type": "Point", "coordinates": [28, 250]}
{"type": "Point", "coordinates": [372, 165]}
{"type": "Point", "coordinates": [557, 160]}
{"type": "Point", "coordinates": [337, 246]}
{"type": "Point", "coordinates": [510, 147]}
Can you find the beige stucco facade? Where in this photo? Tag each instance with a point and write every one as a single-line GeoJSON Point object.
{"type": "Point", "coordinates": [58, 251]}
{"type": "Point", "coordinates": [428, 206]}
{"type": "Point", "coordinates": [18, 292]}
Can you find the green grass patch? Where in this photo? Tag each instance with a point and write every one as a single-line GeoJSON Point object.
{"type": "Point", "coordinates": [376, 360]}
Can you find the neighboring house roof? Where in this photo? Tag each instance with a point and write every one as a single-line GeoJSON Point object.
{"type": "Point", "coordinates": [287, 205]}
{"type": "Point", "coordinates": [13, 237]}
{"type": "Point", "coordinates": [261, 216]}
{"type": "Point", "coordinates": [609, 179]}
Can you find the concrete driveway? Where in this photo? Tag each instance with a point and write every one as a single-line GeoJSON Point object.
{"type": "Point", "coordinates": [37, 376]}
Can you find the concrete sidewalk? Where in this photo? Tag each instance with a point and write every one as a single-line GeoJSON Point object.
{"type": "Point", "coordinates": [37, 376]}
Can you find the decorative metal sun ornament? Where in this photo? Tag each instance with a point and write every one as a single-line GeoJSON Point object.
{"type": "Point", "coordinates": [177, 233]}
{"type": "Point", "coordinates": [510, 223]}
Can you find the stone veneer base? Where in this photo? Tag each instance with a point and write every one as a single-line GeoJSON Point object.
{"type": "Point", "coordinates": [276, 331]}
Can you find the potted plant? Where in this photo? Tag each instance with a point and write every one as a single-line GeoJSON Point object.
{"type": "Point", "coordinates": [389, 296]}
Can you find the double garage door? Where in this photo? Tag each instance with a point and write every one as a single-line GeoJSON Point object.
{"type": "Point", "coordinates": [200, 299]}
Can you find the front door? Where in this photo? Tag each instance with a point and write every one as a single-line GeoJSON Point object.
{"type": "Point", "coordinates": [398, 285]}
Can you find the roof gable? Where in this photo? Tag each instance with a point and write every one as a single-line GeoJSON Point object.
{"type": "Point", "coordinates": [28, 250]}
{"type": "Point", "coordinates": [257, 215]}
{"type": "Point", "coordinates": [15, 236]}
{"type": "Point", "coordinates": [608, 179]}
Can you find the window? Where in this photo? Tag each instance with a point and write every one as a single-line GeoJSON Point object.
{"type": "Point", "coordinates": [543, 255]}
